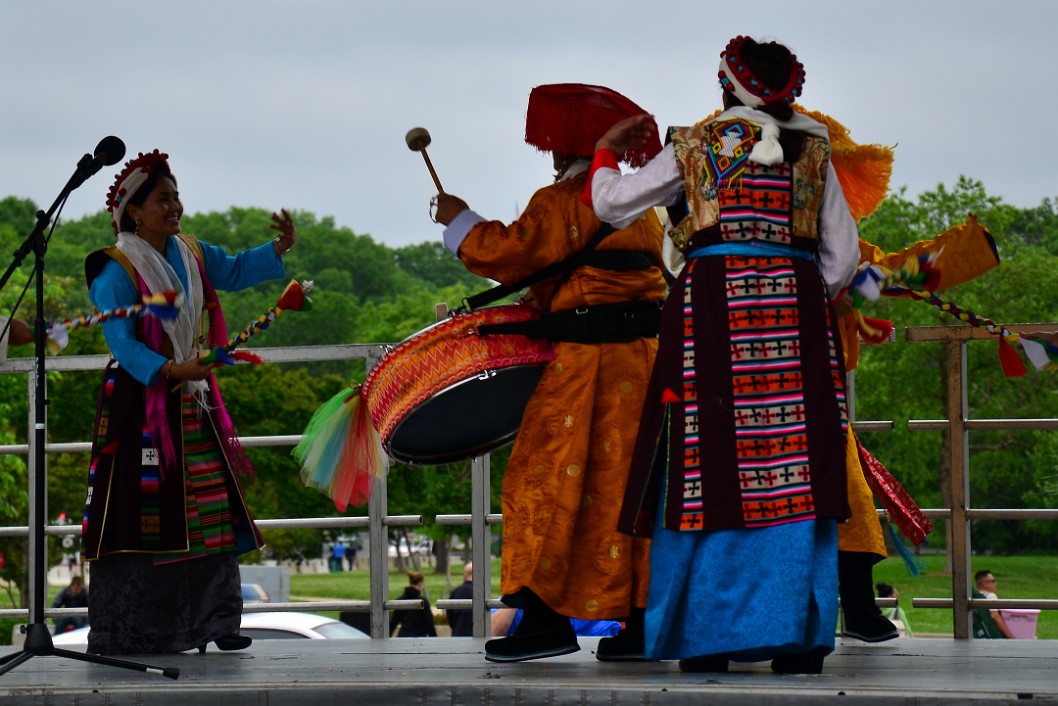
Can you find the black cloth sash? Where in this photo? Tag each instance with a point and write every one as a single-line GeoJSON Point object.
{"type": "Point", "coordinates": [620, 322]}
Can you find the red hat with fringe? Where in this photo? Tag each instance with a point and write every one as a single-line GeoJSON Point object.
{"type": "Point", "coordinates": [569, 118]}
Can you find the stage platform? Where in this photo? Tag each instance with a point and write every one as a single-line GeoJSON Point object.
{"type": "Point", "coordinates": [453, 671]}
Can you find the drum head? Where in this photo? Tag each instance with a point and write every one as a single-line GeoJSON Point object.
{"type": "Point", "coordinates": [467, 419]}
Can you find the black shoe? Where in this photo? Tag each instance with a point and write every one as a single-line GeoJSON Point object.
{"type": "Point", "coordinates": [706, 663]}
{"type": "Point", "coordinates": [622, 647]}
{"type": "Point", "coordinates": [538, 645]}
{"type": "Point", "coordinates": [628, 644]}
{"type": "Point", "coordinates": [804, 663]}
{"type": "Point", "coordinates": [873, 628]}
{"type": "Point", "coordinates": [230, 642]}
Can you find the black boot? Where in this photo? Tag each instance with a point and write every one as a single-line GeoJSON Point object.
{"type": "Point", "coordinates": [805, 663]}
{"type": "Point", "coordinates": [863, 619]}
{"type": "Point", "coordinates": [627, 645]}
{"type": "Point", "coordinates": [541, 633]}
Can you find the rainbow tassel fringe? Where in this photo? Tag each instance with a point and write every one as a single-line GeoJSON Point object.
{"type": "Point", "coordinates": [341, 452]}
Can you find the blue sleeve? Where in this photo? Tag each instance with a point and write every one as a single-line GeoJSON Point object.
{"type": "Point", "coordinates": [113, 289]}
{"type": "Point", "coordinates": [245, 269]}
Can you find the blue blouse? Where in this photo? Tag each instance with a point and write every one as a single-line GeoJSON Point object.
{"type": "Point", "coordinates": [113, 289]}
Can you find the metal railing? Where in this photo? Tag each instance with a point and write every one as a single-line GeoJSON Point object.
{"type": "Point", "coordinates": [481, 518]}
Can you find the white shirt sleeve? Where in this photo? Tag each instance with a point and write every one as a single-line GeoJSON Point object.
{"type": "Point", "coordinates": [839, 239]}
{"type": "Point", "coordinates": [458, 228]}
{"type": "Point", "coordinates": [619, 199]}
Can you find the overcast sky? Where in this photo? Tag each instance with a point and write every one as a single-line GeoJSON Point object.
{"type": "Point", "coordinates": [304, 104]}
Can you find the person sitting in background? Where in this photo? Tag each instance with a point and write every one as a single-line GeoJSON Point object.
{"type": "Point", "coordinates": [988, 624]}
{"type": "Point", "coordinates": [73, 596]}
{"type": "Point", "coordinates": [896, 614]}
{"type": "Point", "coordinates": [414, 623]}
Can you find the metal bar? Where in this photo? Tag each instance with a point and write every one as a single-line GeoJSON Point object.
{"type": "Point", "coordinates": [481, 543]}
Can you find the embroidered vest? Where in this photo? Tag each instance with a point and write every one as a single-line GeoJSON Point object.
{"type": "Point", "coordinates": [746, 200]}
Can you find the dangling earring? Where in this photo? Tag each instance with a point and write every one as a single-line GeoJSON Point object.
{"type": "Point", "coordinates": [137, 223]}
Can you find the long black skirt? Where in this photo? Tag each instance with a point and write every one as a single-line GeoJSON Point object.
{"type": "Point", "coordinates": [138, 607]}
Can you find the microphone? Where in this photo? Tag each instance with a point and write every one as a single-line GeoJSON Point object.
{"type": "Point", "coordinates": [110, 150]}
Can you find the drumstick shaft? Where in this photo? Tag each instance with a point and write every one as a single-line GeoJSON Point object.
{"type": "Point", "coordinates": [429, 165]}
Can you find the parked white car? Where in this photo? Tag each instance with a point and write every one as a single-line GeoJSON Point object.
{"type": "Point", "coordinates": [261, 626]}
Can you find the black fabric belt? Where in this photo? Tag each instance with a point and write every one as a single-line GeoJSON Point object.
{"type": "Point", "coordinates": [605, 323]}
{"type": "Point", "coordinates": [618, 260]}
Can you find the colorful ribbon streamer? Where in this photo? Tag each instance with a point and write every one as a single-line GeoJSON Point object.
{"type": "Point", "coordinates": [294, 298]}
{"type": "Point", "coordinates": [163, 305]}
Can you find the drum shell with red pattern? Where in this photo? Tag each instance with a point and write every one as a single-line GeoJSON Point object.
{"type": "Point", "coordinates": [449, 393]}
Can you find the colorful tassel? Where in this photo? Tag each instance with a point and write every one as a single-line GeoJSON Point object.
{"type": "Point", "coordinates": [294, 298]}
{"type": "Point", "coordinates": [340, 451]}
{"type": "Point", "coordinates": [914, 564]}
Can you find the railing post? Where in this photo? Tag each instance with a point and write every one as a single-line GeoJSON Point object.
{"type": "Point", "coordinates": [956, 401]}
{"type": "Point", "coordinates": [378, 544]}
{"type": "Point", "coordinates": [481, 542]}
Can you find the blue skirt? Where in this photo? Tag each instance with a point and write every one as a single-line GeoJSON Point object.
{"type": "Point", "coordinates": [749, 594]}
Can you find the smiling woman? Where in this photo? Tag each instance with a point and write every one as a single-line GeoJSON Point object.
{"type": "Point", "coordinates": [165, 519]}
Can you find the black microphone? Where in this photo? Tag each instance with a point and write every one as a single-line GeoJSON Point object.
{"type": "Point", "coordinates": [110, 150]}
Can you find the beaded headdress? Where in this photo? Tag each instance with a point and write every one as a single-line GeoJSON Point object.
{"type": "Point", "coordinates": [569, 118]}
{"type": "Point", "coordinates": [737, 79]}
{"type": "Point", "coordinates": [129, 181]}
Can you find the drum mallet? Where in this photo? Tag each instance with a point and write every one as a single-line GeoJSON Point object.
{"type": "Point", "coordinates": [418, 138]}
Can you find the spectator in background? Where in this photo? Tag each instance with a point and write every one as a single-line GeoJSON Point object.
{"type": "Point", "coordinates": [337, 557]}
{"type": "Point", "coordinates": [896, 614]}
{"type": "Point", "coordinates": [460, 619]}
{"type": "Point", "coordinates": [988, 624]}
{"type": "Point", "coordinates": [350, 552]}
{"type": "Point", "coordinates": [414, 623]}
{"type": "Point", "coordinates": [73, 596]}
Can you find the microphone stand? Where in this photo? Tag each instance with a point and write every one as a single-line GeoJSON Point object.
{"type": "Point", "coordinates": [38, 637]}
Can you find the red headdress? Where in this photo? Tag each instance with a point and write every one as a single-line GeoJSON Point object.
{"type": "Point", "coordinates": [130, 179]}
{"type": "Point", "coordinates": [569, 118]}
{"type": "Point", "coordinates": [736, 78]}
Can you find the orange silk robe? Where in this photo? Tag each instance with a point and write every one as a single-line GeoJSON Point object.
{"type": "Point", "coordinates": [564, 484]}
{"type": "Point", "coordinates": [962, 253]}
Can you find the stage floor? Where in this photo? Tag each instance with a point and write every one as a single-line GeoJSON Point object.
{"type": "Point", "coordinates": [453, 671]}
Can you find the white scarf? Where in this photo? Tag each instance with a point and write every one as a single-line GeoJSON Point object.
{"type": "Point", "coordinates": [768, 151]}
{"type": "Point", "coordinates": [160, 276]}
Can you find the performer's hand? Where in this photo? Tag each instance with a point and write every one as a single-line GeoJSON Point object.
{"type": "Point", "coordinates": [20, 333]}
{"type": "Point", "coordinates": [844, 305]}
{"type": "Point", "coordinates": [1049, 336]}
{"type": "Point", "coordinates": [194, 369]}
{"type": "Point", "coordinates": [627, 134]}
{"type": "Point", "coordinates": [288, 232]}
{"type": "Point", "coordinates": [448, 207]}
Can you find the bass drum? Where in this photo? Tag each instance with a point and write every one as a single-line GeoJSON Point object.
{"type": "Point", "coordinates": [449, 393]}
